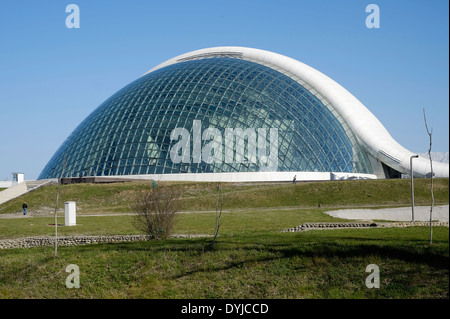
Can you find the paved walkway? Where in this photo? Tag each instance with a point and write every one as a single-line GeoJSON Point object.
{"type": "Point", "coordinates": [421, 213]}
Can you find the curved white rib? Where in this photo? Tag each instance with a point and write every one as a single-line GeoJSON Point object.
{"type": "Point", "coordinates": [376, 139]}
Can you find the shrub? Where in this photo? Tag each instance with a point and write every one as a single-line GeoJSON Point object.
{"type": "Point", "coordinates": [155, 210]}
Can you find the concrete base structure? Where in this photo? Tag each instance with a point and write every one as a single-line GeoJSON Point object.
{"type": "Point", "coordinates": [13, 192]}
{"type": "Point", "coordinates": [18, 189]}
{"type": "Point", "coordinates": [6, 184]}
{"type": "Point", "coordinates": [244, 177]}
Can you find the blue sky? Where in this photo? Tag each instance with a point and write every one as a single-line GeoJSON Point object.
{"type": "Point", "coordinates": [52, 77]}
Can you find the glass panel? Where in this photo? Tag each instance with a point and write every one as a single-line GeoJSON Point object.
{"type": "Point", "coordinates": [221, 92]}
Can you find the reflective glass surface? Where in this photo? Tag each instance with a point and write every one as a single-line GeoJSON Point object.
{"type": "Point", "coordinates": [130, 132]}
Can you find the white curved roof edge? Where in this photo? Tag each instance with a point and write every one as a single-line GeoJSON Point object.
{"type": "Point", "coordinates": [364, 124]}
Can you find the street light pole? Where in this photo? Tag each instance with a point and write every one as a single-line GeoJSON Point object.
{"type": "Point", "coordinates": [412, 184]}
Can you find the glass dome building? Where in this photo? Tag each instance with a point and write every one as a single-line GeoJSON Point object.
{"type": "Point", "coordinates": [232, 114]}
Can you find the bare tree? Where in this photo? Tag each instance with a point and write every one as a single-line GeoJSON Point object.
{"type": "Point", "coordinates": [155, 210]}
{"type": "Point", "coordinates": [219, 209]}
{"type": "Point", "coordinates": [56, 207]}
{"type": "Point", "coordinates": [430, 133]}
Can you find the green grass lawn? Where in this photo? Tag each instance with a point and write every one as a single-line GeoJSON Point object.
{"type": "Point", "coordinates": [312, 264]}
{"type": "Point", "coordinates": [252, 257]}
{"type": "Point", "coordinates": [233, 223]}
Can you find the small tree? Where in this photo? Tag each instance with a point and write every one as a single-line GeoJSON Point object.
{"type": "Point", "coordinates": [430, 133]}
{"type": "Point", "coordinates": [155, 210]}
{"type": "Point", "coordinates": [219, 207]}
{"type": "Point", "coordinates": [56, 207]}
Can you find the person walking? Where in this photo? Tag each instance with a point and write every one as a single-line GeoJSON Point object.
{"type": "Point", "coordinates": [24, 207]}
{"type": "Point", "coordinates": [294, 181]}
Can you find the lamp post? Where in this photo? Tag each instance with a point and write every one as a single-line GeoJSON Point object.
{"type": "Point", "coordinates": [412, 184]}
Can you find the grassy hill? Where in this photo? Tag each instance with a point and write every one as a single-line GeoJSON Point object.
{"type": "Point", "coordinates": [252, 258]}
{"type": "Point", "coordinates": [117, 197]}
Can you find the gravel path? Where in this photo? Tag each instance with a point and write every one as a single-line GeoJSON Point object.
{"type": "Point", "coordinates": [421, 213]}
